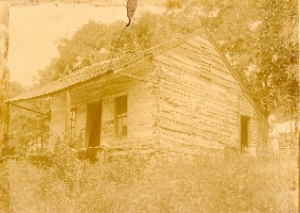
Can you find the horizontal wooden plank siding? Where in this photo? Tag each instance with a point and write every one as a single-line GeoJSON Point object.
{"type": "Point", "coordinates": [140, 114]}
{"type": "Point", "coordinates": [200, 102]}
{"type": "Point", "coordinates": [259, 129]}
{"type": "Point", "coordinates": [183, 95]}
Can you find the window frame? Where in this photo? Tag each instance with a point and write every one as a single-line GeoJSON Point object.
{"type": "Point", "coordinates": [122, 115]}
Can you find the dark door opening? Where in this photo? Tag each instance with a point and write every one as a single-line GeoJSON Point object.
{"type": "Point", "coordinates": [93, 124]}
{"type": "Point", "coordinates": [244, 131]}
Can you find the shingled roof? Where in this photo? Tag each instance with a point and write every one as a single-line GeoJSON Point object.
{"type": "Point", "coordinates": [98, 69]}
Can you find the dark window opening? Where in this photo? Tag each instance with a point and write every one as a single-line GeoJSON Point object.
{"type": "Point", "coordinates": [121, 116]}
{"type": "Point", "coordinates": [93, 124]}
{"type": "Point", "coordinates": [245, 131]}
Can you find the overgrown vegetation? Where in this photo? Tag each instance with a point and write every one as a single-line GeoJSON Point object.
{"type": "Point", "coordinates": [161, 181]}
{"type": "Point", "coordinates": [29, 129]}
{"type": "Point", "coordinates": [260, 40]}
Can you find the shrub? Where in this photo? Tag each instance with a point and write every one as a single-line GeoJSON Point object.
{"type": "Point", "coordinates": [160, 181]}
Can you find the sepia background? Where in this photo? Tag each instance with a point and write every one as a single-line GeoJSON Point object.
{"type": "Point", "coordinates": [194, 107]}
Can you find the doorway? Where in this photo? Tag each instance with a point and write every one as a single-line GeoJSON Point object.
{"type": "Point", "coordinates": [93, 124]}
{"type": "Point", "coordinates": [245, 131]}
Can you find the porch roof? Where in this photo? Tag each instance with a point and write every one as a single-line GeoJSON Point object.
{"type": "Point", "coordinates": [99, 69]}
{"type": "Point", "coordinates": [118, 64]}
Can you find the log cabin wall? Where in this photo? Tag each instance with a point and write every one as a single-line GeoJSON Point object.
{"type": "Point", "coordinates": [186, 96]}
{"type": "Point", "coordinates": [140, 108]}
{"type": "Point", "coordinates": [200, 102]}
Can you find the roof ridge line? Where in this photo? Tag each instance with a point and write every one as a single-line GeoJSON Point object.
{"type": "Point", "coordinates": [119, 62]}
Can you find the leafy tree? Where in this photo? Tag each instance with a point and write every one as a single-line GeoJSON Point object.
{"type": "Point", "coordinates": [27, 129]}
{"type": "Point", "coordinates": [259, 39]}
{"type": "Point", "coordinates": [276, 83]}
{"type": "Point", "coordinates": [87, 46]}
{"type": "Point", "coordinates": [95, 42]}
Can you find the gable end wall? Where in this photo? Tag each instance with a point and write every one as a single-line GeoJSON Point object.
{"type": "Point", "coordinates": [200, 102]}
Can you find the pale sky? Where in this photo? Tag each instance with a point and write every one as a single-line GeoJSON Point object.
{"type": "Point", "coordinates": [34, 29]}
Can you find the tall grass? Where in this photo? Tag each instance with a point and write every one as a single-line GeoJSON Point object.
{"type": "Point", "coordinates": [161, 181]}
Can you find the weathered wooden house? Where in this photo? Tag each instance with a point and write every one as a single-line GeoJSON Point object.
{"type": "Point", "coordinates": [180, 93]}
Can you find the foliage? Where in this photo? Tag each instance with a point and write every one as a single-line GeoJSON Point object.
{"type": "Point", "coordinates": [259, 38]}
{"type": "Point", "coordinates": [161, 181]}
{"type": "Point", "coordinates": [276, 83]}
{"type": "Point", "coordinates": [13, 89]}
{"type": "Point", "coordinates": [29, 130]}
{"type": "Point", "coordinates": [95, 42]}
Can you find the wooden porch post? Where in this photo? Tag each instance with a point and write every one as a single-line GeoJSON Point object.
{"type": "Point", "coordinates": [67, 114]}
